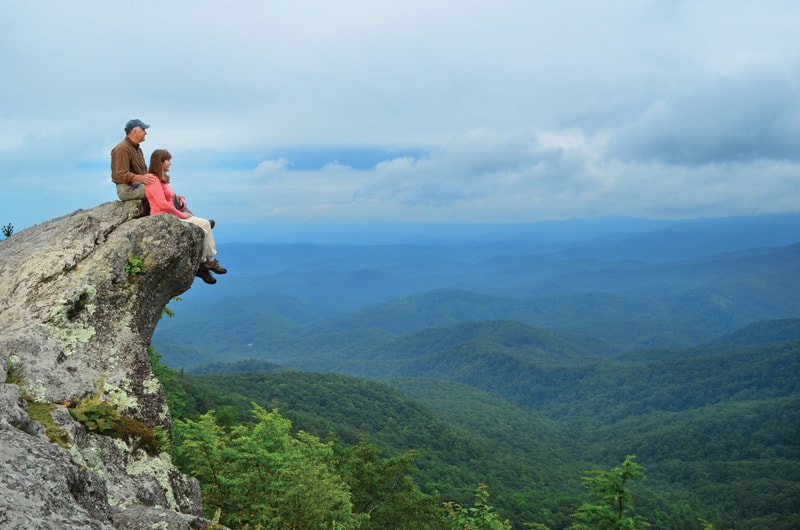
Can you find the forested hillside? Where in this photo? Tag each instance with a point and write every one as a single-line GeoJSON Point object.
{"type": "Point", "coordinates": [694, 424]}
{"type": "Point", "coordinates": [521, 364]}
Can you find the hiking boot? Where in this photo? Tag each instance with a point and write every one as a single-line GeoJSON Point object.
{"type": "Point", "coordinates": [214, 266]}
{"type": "Point", "coordinates": [205, 275]}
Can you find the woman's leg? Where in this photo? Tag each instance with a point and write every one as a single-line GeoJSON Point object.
{"type": "Point", "coordinates": [209, 246]}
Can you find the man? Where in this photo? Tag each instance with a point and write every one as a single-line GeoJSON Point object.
{"type": "Point", "coordinates": [128, 168]}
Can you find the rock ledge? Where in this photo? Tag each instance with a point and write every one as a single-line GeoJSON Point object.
{"type": "Point", "coordinates": [80, 297]}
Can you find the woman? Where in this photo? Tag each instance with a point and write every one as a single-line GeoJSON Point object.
{"type": "Point", "coordinates": [163, 200]}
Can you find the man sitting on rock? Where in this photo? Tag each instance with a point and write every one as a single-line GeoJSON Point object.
{"type": "Point", "coordinates": [128, 168]}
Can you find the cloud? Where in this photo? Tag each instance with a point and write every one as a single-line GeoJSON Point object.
{"type": "Point", "coordinates": [721, 121]}
{"type": "Point", "coordinates": [272, 168]}
{"type": "Point", "coordinates": [479, 166]}
{"type": "Point", "coordinates": [426, 110]}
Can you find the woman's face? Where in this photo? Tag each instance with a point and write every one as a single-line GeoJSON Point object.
{"type": "Point", "coordinates": [165, 164]}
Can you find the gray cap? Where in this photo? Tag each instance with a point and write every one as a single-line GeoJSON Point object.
{"type": "Point", "coordinates": [132, 124]}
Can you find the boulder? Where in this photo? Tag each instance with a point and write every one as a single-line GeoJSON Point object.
{"type": "Point", "coordinates": [80, 297]}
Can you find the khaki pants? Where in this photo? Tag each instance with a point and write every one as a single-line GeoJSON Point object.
{"type": "Point", "coordinates": [209, 246]}
{"type": "Point", "coordinates": [129, 192]}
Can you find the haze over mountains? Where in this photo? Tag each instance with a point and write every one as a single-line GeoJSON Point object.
{"type": "Point", "coordinates": [670, 285]}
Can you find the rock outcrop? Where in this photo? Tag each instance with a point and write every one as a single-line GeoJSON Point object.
{"type": "Point", "coordinates": [80, 297]}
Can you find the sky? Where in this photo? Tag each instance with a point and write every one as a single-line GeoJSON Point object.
{"type": "Point", "coordinates": [433, 111]}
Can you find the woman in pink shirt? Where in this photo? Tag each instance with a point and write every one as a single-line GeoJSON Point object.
{"type": "Point", "coordinates": [163, 200]}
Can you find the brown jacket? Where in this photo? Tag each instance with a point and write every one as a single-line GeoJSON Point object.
{"type": "Point", "coordinates": [127, 161]}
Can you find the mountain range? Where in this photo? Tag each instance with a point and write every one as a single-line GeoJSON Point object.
{"type": "Point", "coordinates": [551, 347]}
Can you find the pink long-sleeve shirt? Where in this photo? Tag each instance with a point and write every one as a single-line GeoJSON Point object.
{"type": "Point", "coordinates": [160, 197]}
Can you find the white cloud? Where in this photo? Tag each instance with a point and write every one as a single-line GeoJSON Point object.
{"type": "Point", "coordinates": [272, 168]}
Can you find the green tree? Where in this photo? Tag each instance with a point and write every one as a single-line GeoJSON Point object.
{"type": "Point", "coordinates": [199, 449]}
{"type": "Point", "coordinates": [613, 499]}
{"type": "Point", "coordinates": [480, 516]}
{"type": "Point", "coordinates": [7, 230]}
{"type": "Point", "coordinates": [263, 476]}
{"type": "Point", "coordinates": [384, 489]}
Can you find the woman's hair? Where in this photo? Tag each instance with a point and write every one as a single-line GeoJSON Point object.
{"type": "Point", "coordinates": [157, 164]}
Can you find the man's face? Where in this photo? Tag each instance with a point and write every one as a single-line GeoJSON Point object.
{"type": "Point", "coordinates": [137, 135]}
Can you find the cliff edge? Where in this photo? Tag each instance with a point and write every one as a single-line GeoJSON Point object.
{"type": "Point", "coordinates": [80, 297]}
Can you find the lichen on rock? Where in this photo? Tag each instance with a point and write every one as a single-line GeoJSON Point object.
{"type": "Point", "coordinates": [68, 323]}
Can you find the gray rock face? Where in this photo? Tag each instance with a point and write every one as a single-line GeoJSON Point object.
{"type": "Point", "coordinates": [80, 297]}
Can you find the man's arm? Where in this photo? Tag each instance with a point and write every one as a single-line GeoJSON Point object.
{"type": "Point", "coordinates": [120, 167]}
{"type": "Point", "coordinates": [121, 172]}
